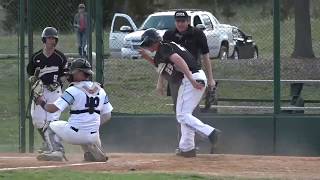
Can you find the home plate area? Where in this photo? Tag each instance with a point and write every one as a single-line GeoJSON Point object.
{"type": "Point", "coordinates": [205, 164]}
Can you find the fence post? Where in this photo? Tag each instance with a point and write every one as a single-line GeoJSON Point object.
{"type": "Point", "coordinates": [30, 52]}
{"type": "Point", "coordinates": [89, 31]}
{"type": "Point", "coordinates": [21, 100]}
{"type": "Point", "coordinates": [99, 42]}
{"type": "Point", "coordinates": [276, 70]}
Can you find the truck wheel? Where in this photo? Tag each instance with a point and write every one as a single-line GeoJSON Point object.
{"type": "Point", "coordinates": [223, 54]}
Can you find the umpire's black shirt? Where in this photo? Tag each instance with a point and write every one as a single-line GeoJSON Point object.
{"type": "Point", "coordinates": [167, 68]}
{"type": "Point", "coordinates": [51, 68]}
{"type": "Point", "coordinates": [193, 39]}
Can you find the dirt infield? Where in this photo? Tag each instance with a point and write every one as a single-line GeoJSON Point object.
{"type": "Point", "coordinates": [224, 165]}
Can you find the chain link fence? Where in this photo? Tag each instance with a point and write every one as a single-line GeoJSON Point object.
{"type": "Point", "coordinates": [242, 62]}
{"type": "Point", "coordinates": [233, 58]}
{"type": "Point", "coordinates": [245, 75]}
{"type": "Point", "coordinates": [9, 110]}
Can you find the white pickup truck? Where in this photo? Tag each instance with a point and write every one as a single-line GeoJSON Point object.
{"type": "Point", "coordinates": [125, 36]}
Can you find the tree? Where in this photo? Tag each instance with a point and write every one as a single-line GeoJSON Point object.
{"type": "Point", "coordinates": [303, 40]}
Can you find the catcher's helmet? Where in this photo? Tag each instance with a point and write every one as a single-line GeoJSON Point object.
{"type": "Point", "coordinates": [149, 37]}
{"type": "Point", "coordinates": [49, 32]}
{"type": "Point", "coordinates": [80, 64]}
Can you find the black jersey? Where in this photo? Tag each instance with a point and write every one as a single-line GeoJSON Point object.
{"type": "Point", "coordinates": [167, 68]}
{"type": "Point", "coordinates": [194, 40]}
{"type": "Point", "coordinates": [51, 68]}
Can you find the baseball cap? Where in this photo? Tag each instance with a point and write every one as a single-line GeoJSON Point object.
{"type": "Point", "coordinates": [181, 15]}
{"type": "Point", "coordinates": [81, 6]}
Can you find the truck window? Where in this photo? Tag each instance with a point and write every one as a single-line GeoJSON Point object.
{"type": "Point", "coordinates": [120, 21]}
{"type": "Point", "coordinates": [196, 21]}
{"type": "Point", "coordinates": [159, 22]}
{"type": "Point", "coordinates": [207, 21]}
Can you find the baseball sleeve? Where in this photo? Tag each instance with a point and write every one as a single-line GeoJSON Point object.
{"type": "Point", "coordinates": [30, 66]}
{"type": "Point", "coordinates": [166, 51]}
{"type": "Point", "coordinates": [64, 101]}
{"type": "Point", "coordinates": [107, 107]}
{"type": "Point", "coordinates": [202, 42]}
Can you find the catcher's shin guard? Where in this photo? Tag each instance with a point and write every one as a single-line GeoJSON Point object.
{"type": "Point", "coordinates": [94, 153]}
{"type": "Point", "coordinates": [53, 141]}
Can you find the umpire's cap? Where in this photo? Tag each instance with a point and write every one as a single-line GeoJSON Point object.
{"type": "Point", "coordinates": [149, 37]}
{"type": "Point", "coordinates": [49, 32]}
{"type": "Point", "coordinates": [81, 6]}
{"type": "Point", "coordinates": [181, 15]}
{"type": "Point", "coordinates": [80, 64]}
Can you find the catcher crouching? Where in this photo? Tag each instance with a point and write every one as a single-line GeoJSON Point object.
{"type": "Point", "coordinates": [89, 107]}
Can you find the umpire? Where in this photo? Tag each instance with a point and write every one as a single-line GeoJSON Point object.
{"type": "Point", "coordinates": [195, 41]}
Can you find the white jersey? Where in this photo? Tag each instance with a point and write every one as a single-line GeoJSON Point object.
{"type": "Point", "coordinates": [87, 101]}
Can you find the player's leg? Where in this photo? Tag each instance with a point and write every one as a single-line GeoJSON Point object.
{"type": "Point", "coordinates": [56, 152]}
{"type": "Point", "coordinates": [188, 99]}
{"type": "Point", "coordinates": [84, 42]}
{"type": "Point", "coordinates": [51, 97]}
{"type": "Point", "coordinates": [174, 89]}
{"type": "Point", "coordinates": [94, 151]}
{"type": "Point", "coordinates": [78, 34]}
{"type": "Point", "coordinates": [186, 144]}
{"type": "Point", "coordinates": [38, 119]}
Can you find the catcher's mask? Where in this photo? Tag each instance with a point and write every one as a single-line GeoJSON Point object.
{"type": "Point", "coordinates": [49, 32]}
{"type": "Point", "coordinates": [80, 65]}
{"type": "Point", "coordinates": [149, 37]}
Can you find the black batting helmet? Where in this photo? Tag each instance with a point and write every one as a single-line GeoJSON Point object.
{"type": "Point", "coordinates": [80, 64]}
{"type": "Point", "coordinates": [149, 37]}
{"type": "Point", "coordinates": [49, 32]}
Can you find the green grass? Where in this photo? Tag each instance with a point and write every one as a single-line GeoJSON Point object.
{"type": "Point", "coordinates": [76, 175]}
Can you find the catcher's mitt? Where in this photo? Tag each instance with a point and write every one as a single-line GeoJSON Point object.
{"type": "Point", "coordinates": [37, 89]}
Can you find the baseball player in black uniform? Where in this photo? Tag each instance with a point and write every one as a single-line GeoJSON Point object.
{"type": "Point", "coordinates": [47, 65]}
{"type": "Point", "coordinates": [171, 60]}
{"type": "Point", "coordinates": [195, 41]}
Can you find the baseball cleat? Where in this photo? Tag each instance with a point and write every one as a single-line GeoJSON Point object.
{"type": "Point", "coordinates": [187, 154]}
{"type": "Point", "coordinates": [51, 156]}
{"type": "Point", "coordinates": [214, 138]}
{"type": "Point", "coordinates": [88, 156]}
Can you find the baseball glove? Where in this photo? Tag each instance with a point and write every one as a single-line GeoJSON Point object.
{"type": "Point", "coordinates": [210, 97]}
{"type": "Point", "coordinates": [37, 89]}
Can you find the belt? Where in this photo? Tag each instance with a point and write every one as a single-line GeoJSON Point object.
{"type": "Point", "coordinates": [76, 130]}
{"type": "Point", "coordinates": [83, 111]}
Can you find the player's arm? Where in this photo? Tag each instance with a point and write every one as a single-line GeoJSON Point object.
{"type": "Point", "coordinates": [146, 56]}
{"type": "Point", "coordinates": [182, 65]}
{"type": "Point", "coordinates": [31, 67]}
{"type": "Point", "coordinates": [59, 105]}
{"type": "Point", "coordinates": [106, 111]}
{"type": "Point", "coordinates": [208, 66]}
{"type": "Point", "coordinates": [203, 45]}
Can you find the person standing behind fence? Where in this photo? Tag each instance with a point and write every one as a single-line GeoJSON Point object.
{"type": "Point", "coordinates": [194, 40]}
{"type": "Point", "coordinates": [80, 25]}
{"type": "Point", "coordinates": [170, 59]}
{"type": "Point", "coordinates": [48, 66]}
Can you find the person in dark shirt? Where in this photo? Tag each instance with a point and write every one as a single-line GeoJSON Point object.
{"type": "Point", "coordinates": [172, 59]}
{"type": "Point", "coordinates": [47, 65]}
{"type": "Point", "coordinates": [195, 41]}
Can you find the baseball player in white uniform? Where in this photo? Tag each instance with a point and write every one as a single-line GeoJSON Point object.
{"type": "Point", "coordinates": [89, 108]}
{"type": "Point", "coordinates": [172, 59]}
